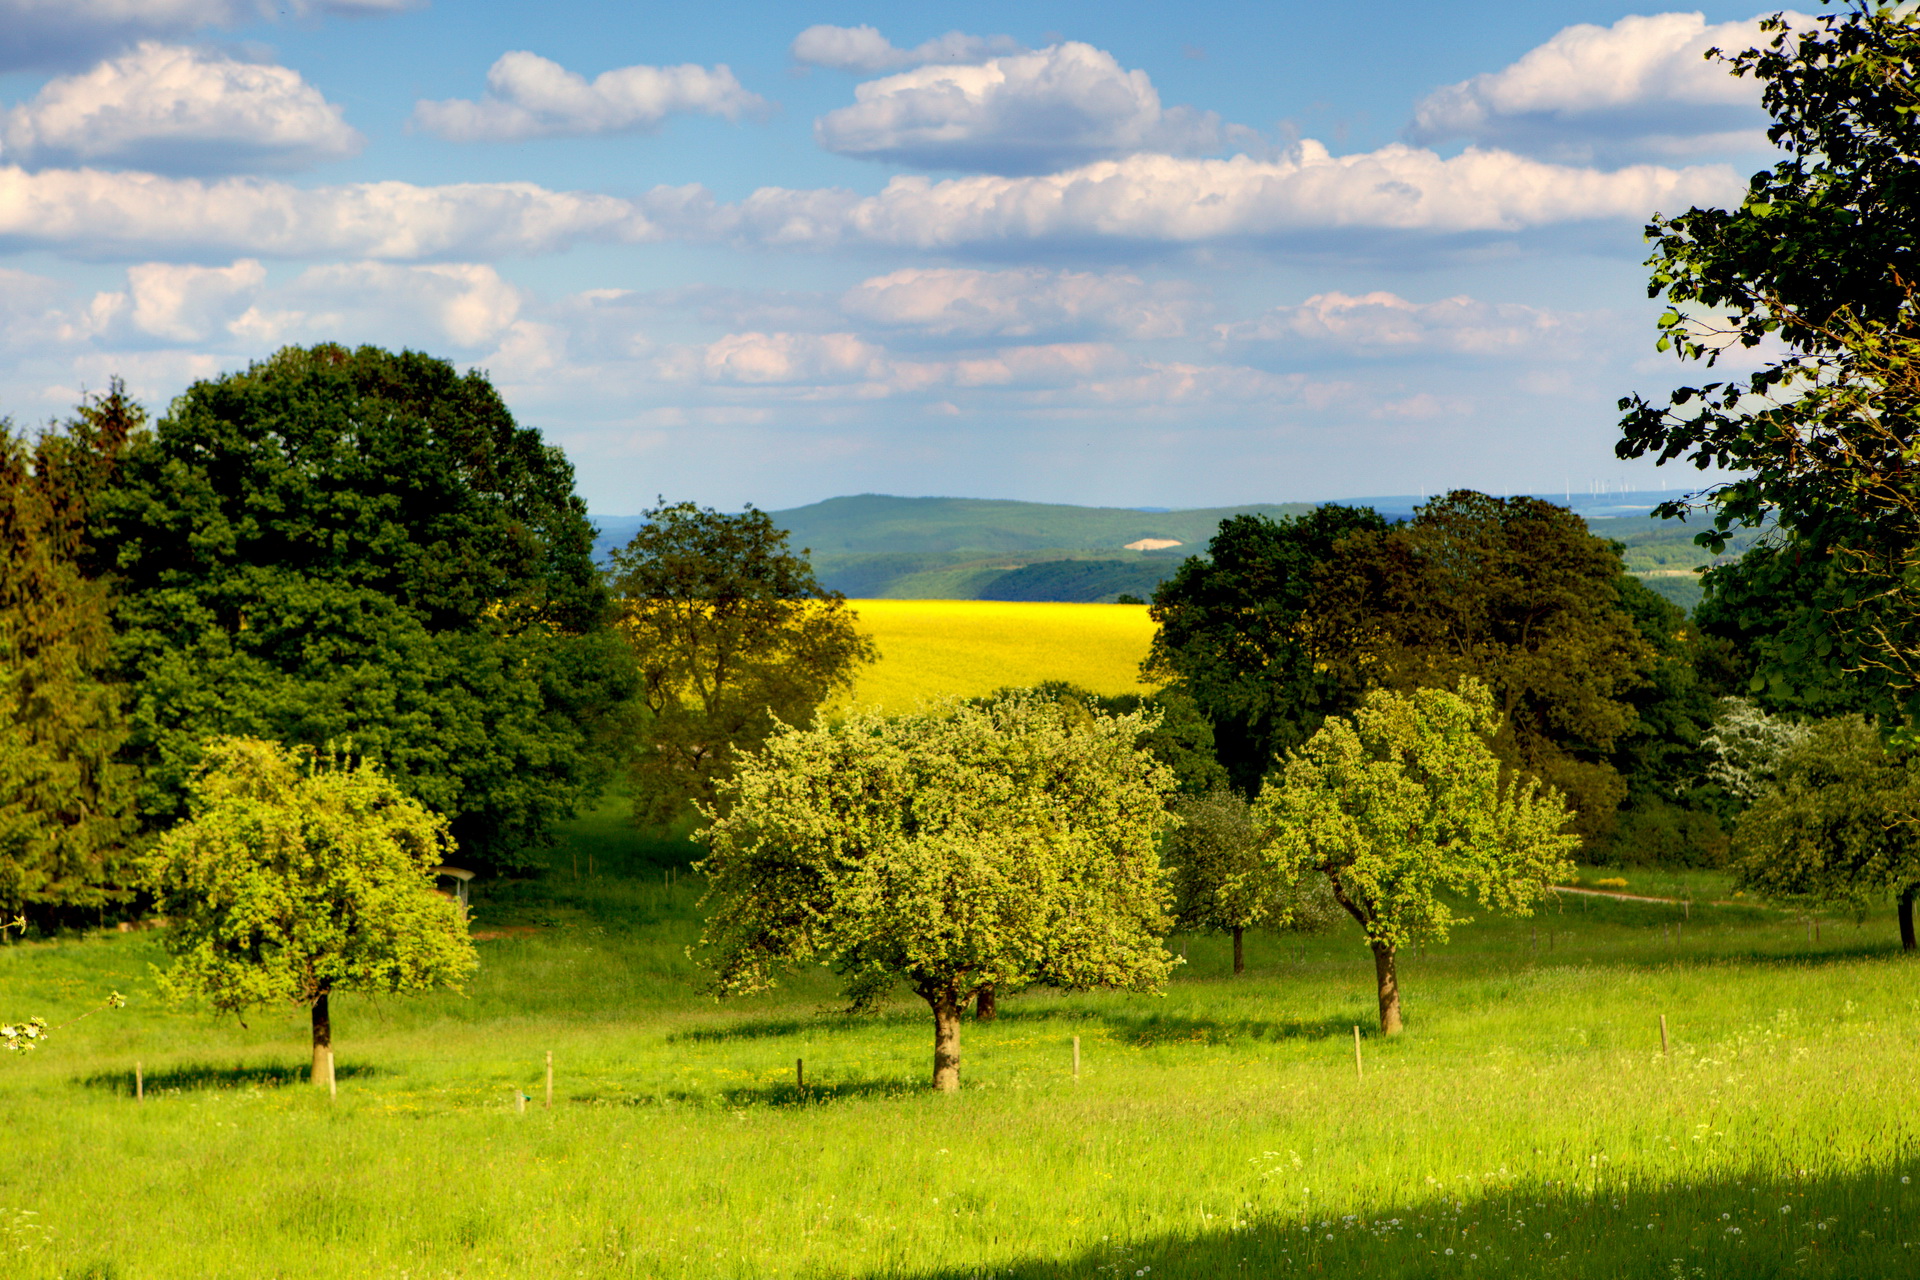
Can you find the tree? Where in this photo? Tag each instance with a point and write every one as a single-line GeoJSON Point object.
{"type": "Point", "coordinates": [1404, 802]}
{"type": "Point", "coordinates": [360, 546]}
{"type": "Point", "coordinates": [1838, 826]}
{"type": "Point", "coordinates": [65, 798]}
{"type": "Point", "coordinates": [1222, 881]}
{"type": "Point", "coordinates": [1515, 593]}
{"type": "Point", "coordinates": [1239, 632]}
{"type": "Point", "coordinates": [297, 875]}
{"type": "Point", "coordinates": [733, 636]}
{"type": "Point", "coordinates": [961, 848]}
{"type": "Point", "coordinates": [1819, 262]}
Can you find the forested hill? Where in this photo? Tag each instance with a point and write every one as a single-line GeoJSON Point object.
{"type": "Point", "coordinates": [873, 545]}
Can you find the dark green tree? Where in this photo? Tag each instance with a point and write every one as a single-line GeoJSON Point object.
{"type": "Point", "coordinates": [364, 548]}
{"type": "Point", "coordinates": [1819, 260]}
{"type": "Point", "coordinates": [65, 798]}
{"type": "Point", "coordinates": [1238, 632]}
{"type": "Point", "coordinates": [734, 637]}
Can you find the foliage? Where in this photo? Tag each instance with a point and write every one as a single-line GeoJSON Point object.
{"type": "Point", "coordinates": [1516, 593]}
{"type": "Point", "coordinates": [26, 1036]}
{"type": "Point", "coordinates": [733, 637]}
{"type": "Point", "coordinates": [1082, 580]}
{"type": "Point", "coordinates": [1239, 631]}
{"type": "Point", "coordinates": [967, 847]}
{"type": "Point", "coordinates": [65, 799]}
{"type": "Point", "coordinates": [1222, 880]}
{"type": "Point", "coordinates": [1838, 826]}
{"type": "Point", "coordinates": [298, 875]}
{"type": "Point", "coordinates": [1401, 806]}
{"type": "Point", "coordinates": [361, 546]}
{"type": "Point", "coordinates": [1818, 259]}
{"type": "Point", "coordinates": [1746, 746]}
{"type": "Point", "coordinates": [1173, 729]}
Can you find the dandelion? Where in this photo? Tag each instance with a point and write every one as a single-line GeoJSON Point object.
{"type": "Point", "coordinates": [1449, 1253]}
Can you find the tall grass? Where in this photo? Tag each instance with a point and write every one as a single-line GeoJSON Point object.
{"type": "Point", "coordinates": [1527, 1121]}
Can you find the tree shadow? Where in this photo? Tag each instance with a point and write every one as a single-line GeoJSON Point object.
{"type": "Point", "coordinates": [779, 1028]}
{"type": "Point", "coordinates": [1148, 1028]}
{"type": "Point", "coordinates": [200, 1077]}
{"type": "Point", "coordinates": [772, 1095]}
{"type": "Point", "coordinates": [1837, 1227]}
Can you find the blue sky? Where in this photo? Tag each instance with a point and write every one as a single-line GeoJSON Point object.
{"type": "Point", "coordinates": [1130, 254]}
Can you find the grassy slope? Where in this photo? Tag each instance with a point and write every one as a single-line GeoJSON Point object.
{"type": "Point", "coordinates": [939, 648]}
{"type": "Point", "coordinates": [1526, 1121]}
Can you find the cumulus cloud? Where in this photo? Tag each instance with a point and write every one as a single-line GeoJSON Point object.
{"type": "Point", "coordinates": [1385, 324]}
{"type": "Point", "coordinates": [172, 109]}
{"type": "Point", "coordinates": [1026, 113]}
{"type": "Point", "coordinates": [105, 215]}
{"type": "Point", "coordinates": [532, 97]}
{"type": "Point", "coordinates": [65, 33]}
{"type": "Point", "coordinates": [951, 302]}
{"type": "Point", "coordinates": [1169, 200]}
{"type": "Point", "coordinates": [864, 50]}
{"type": "Point", "coordinates": [1641, 87]}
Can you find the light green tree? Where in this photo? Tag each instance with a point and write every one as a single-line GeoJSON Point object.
{"type": "Point", "coordinates": [969, 846]}
{"type": "Point", "coordinates": [298, 875]}
{"type": "Point", "coordinates": [1223, 881]}
{"type": "Point", "coordinates": [1402, 803]}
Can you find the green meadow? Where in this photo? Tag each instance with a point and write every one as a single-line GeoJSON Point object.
{"type": "Point", "coordinates": [1527, 1124]}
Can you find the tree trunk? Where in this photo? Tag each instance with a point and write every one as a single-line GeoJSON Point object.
{"type": "Point", "coordinates": [322, 1040]}
{"type": "Point", "coordinates": [946, 1041]}
{"type": "Point", "coordinates": [1383, 958]}
{"type": "Point", "coordinates": [983, 1006]}
{"type": "Point", "coordinates": [1239, 950]}
{"type": "Point", "coordinates": [1906, 916]}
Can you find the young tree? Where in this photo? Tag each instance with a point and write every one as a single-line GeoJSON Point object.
{"type": "Point", "coordinates": [1222, 880]}
{"type": "Point", "coordinates": [1838, 824]}
{"type": "Point", "coordinates": [733, 636]}
{"type": "Point", "coordinates": [297, 875]}
{"type": "Point", "coordinates": [65, 798]}
{"type": "Point", "coordinates": [1403, 802]}
{"type": "Point", "coordinates": [360, 545]}
{"type": "Point", "coordinates": [965, 847]}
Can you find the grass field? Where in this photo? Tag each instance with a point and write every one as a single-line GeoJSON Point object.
{"type": "Point", "coordinates": [1526, 1125]}
{"type": "Point", "coordinates": [938, 648]}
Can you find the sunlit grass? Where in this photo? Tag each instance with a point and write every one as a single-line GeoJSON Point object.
{"type": "Point", "coordinates": [1528, 1120]}
{"type": "Point", "coordinates": [932, 649]}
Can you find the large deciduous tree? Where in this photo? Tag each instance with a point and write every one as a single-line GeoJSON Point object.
{"type": "Point", "coordinates": [1815, 273]}
{"type": "Point", "coordinates": [1401, 805]}
{"type": "Point", "coordinates": [734, 637]}
{"type": "Point", "coordinates": [1240, 632]}
{"type": "Point", "coordinates": [364, 547]}
{"type": "Point", "coordinates": [1223, 881]}
{"type": "Point", "coordinates": [296, 876]}
{"type": "Point", "coordinates": [967, 847]}
{"type": "Point", "coordinates": [65, 798]}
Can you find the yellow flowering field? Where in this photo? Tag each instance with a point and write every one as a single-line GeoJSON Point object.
{"type": "Point", "coordinates": [932, 649]}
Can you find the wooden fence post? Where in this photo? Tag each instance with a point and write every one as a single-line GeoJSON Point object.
{"type": "Point", "coordinates": [139, 1082]}
{"type": "Point", "coordinates": [1663, 1035]}
{"type": "Point", "coordinates": [1359, 1070]}
{"type": "Point", "coordinates": [1076, 1058]}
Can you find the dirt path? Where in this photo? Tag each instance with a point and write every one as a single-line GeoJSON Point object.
{"type": "Point", "coordinates": [1641, 897]}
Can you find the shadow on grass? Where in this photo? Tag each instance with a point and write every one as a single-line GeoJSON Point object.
{"type": "Point", "coordinates": [779, 1028]}
{"type": "Point", "coordinates": [1839, 1227]}
{"type": "Point", "coordinates": [1143, 1029]}
{"type": "Point", "coordinates": [200, 1077]}
{"type": "Point", "coordinates": [773, 1095]}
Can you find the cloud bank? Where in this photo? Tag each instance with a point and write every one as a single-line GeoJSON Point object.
{"type": "Point", "coordinates": [864, 50]}
{"type": "Point", "coordinates": [532, 97]}
{"type": "Point", "coordinates": [69, 33]}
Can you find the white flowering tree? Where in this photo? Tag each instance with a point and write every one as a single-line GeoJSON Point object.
{"type": "Point", "coordinates": [1747, 746]}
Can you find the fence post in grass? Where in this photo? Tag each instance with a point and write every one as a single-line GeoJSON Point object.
{"type": "Point", "coordinates": [139, 1082]}
{"type": "Point", "coordinates": [1359, 1069]}
{"type": "Point", "coordinates": [800, 1074]}
{"type": "Point", "coordinates": [1663, 1035]}
{"type": "Point", "coordinates": [519, 1100]}
{"type": "Point", "coordinates": [1076, 1059]}
{"type": "Point", "coordinates": [333, 1084]}
{"type": "Point", "coordinates": [549, 1079]}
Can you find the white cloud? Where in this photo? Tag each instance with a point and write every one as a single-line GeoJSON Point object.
{"type": "Point", "coordinates": [1026, 113]}
{"type": "Point", "coordinates": [1386, 325]}
{"type": "Point", "coordinates": [863, 49]}
{"type": "Point", "coordinates": [1641, 87]}
{"type": "Point", "coordinates": [35, 33]}
{"type": "Point", "coordinates": [961, 303]}
{"type": "Point", "coordinates": [1169, 200]}
{"type": "Point", "coordinates": [96, 214]}
{"type": "Point", "coordinates": [531, 97]}
{"type": "Point", "coordinates": [171, 109]}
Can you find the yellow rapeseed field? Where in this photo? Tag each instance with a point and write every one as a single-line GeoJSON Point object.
{"type": "Point", "coordinates": [932, 649]}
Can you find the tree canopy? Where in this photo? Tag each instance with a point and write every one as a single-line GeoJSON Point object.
{"type": "Point", "coordinates": [733, 636]}
{"type": "Point", "coordinates": [1402, 805]}
{"type": "Point", "coordinates": [361, 546]}
{"type": "Point", "coordinates": [297, 875]}
{"type": "Point", "coordinates": [964, 848]}
{"type": "Point", "coordinates": [1223, 881]}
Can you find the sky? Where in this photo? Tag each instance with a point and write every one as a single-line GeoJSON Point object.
{"type": "Point", "coordinates": [1123, 254]}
